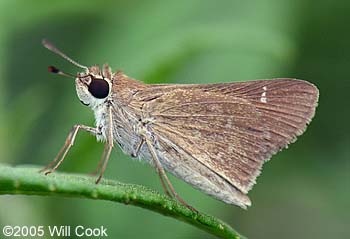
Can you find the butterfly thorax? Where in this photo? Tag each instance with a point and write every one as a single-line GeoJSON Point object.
{"type": "Point", "coordinates": [126, 118]}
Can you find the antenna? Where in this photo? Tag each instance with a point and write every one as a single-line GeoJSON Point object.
{"type": "Point", "coordinates": [52, 48]}
{"type": "Point", "coordinates": [53, 69]}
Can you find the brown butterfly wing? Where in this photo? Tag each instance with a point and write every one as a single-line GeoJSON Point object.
{"type": "Point", "coordinates": [232, 128]}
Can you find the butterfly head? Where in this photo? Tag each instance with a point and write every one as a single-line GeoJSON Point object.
{"type": "Point", "coordinates": [93, 85]}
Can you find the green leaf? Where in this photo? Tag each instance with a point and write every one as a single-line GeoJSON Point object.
{"type": "Point", "coordinates": [26, 180]}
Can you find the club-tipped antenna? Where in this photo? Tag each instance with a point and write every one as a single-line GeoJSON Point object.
{"type": "Point", "coordinates": [55, 70]}
{"type": "Point", "coordinates": [52, 48]}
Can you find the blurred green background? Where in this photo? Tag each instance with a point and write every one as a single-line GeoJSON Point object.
{"type": "Point", "coordinates": [303, 192]}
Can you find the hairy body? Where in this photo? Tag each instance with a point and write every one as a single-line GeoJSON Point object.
{"type": "Point", "coordinates": [215, 137]}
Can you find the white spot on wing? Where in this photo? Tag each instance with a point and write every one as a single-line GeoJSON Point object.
{"type": "Point", "coordinates": [263, 98]}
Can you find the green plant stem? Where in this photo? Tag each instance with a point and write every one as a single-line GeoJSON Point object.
{"type": "Point", "coordinates": [26, 180]}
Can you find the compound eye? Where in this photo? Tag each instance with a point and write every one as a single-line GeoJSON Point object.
{"type": "Point", "coordinates": [99, 88]}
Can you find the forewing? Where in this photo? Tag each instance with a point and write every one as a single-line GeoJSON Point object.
{"type": "Point", "coordinates": [232, 128]}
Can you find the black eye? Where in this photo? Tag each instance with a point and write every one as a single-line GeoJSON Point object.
{"type": "Point", "coordinates": [99, 88]}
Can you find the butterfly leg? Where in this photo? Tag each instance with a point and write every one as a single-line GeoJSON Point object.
{"type": "Point", "coordinates": [106, 154]}
{"type": "Point", "coordinates": [99, 165]}
{"type": "Point", "coordinates": [136, 153]}
{"type": "Point", "coordinates": [163, 176]}
{"type": "Point", "coordinates": [108, 146]}
{"type": "Point", "coordinates": [67, 145]}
